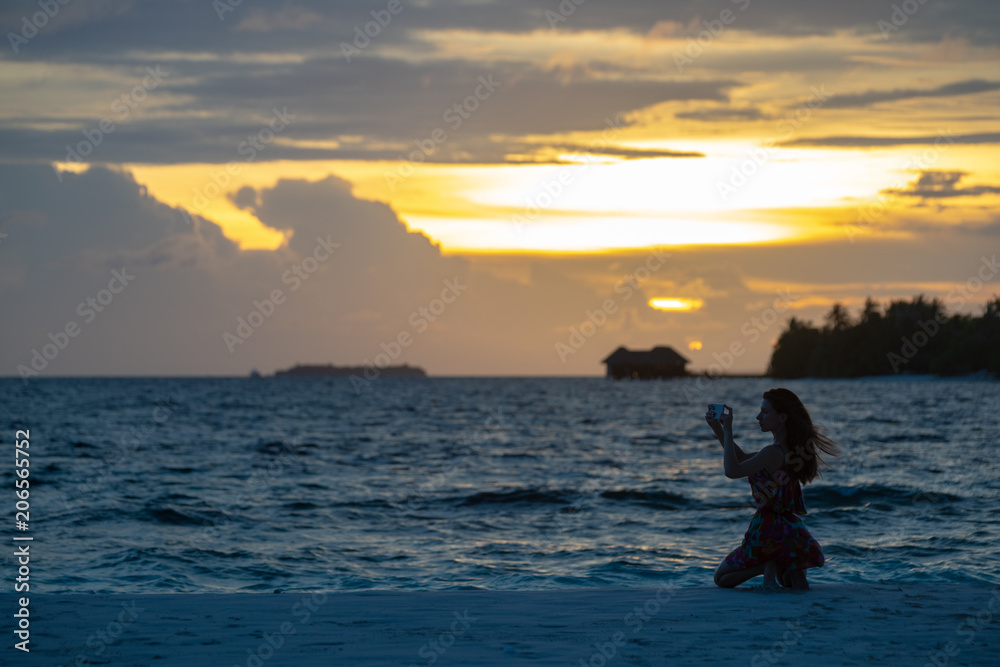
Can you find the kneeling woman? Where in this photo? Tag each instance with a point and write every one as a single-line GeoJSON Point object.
{"type": "Point", "coordinates": [777, 544]}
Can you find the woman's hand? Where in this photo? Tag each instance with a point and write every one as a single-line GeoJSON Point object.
{"type": "Point", "coordinates": [709, 417]}
{"type": "Point", "coordinates": [712, 421]}
{"type": "Point", "coordinates": [714, 424]}
{"type": "Point", "coordinates": [727, 419]}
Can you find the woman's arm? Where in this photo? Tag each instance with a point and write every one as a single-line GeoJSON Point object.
{"type": "Point", "coordinates": [770, 458]}
{"type": "Point", "coordinates": [717, 429]}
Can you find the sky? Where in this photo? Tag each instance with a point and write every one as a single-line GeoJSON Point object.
{"type": "Point", "coordinates": [481, 187]}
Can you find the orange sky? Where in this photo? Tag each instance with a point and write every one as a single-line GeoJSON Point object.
{"type": "Point", "coordinates": [524, 149]}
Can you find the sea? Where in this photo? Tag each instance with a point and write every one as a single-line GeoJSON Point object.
{"type": "Point", "coordinates": [143, 485]}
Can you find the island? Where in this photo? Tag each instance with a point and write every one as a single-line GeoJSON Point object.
{"type": "Point", "coordinates": [918, 337]}
{"type": "Point", "coordinates": [344, 371]}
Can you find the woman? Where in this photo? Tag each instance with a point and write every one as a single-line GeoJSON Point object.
{"type": "Point", "coordinates": [777, 543]}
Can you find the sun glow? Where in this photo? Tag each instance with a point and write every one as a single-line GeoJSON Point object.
{"type": "Point", "coordinates": [676, 304]}
{"type": "Point", "coordinates": [575, 208]}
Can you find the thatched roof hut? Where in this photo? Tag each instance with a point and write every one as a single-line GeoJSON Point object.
{"type": "Point", "coordinates": [660, 362]}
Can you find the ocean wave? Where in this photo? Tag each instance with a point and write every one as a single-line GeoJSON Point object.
{"type": "Point", "coordinates": [907, 437]}
{"type": "Point", "coordinates": [515, 496]}
{"type": "Point", "coordinates": [300, 506]}
{"type": "Point", "coordinates": [169, 513]}
{"type": "Point", "coordinates": [279, 448]}
{"type": "Point", "coordinates": [879, 494]}
{"type": "Point", "coordinates": [658, 499]}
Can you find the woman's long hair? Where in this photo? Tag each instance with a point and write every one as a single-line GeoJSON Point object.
{"type": "Point", "coordinates": [804, 440]}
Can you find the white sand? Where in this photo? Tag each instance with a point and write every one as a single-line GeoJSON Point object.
{"type": "Point", "coordinates": [833, 624]}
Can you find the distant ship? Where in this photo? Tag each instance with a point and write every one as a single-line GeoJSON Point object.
{"type": "Point", "coordinates": [343, 371]}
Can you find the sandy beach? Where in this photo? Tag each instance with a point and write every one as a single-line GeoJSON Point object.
{"type": "Point", "coordinates": [833, 624]}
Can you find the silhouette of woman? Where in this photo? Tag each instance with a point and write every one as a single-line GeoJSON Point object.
{"type": "Point", "coordinates": [777, 543]}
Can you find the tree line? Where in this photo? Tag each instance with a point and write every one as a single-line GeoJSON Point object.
{"type": "Point", "coordinates": [916, 336]}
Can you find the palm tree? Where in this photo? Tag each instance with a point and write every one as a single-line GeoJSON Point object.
{"type": "Point", "coordinates": [838, 318]}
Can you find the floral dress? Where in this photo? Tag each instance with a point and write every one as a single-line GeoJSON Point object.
{"type": "Point", "coordinates": [776, 531]}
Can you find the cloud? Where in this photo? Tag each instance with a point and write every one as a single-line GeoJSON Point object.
{"type": "Point", "coordinates": [369, 231]}
{"type": "Point", "coordinates": [227, 75]}
{"type": "Point", "coordinates": [389, 104]}
{"type": "Point", "coordinates": [191, 284]}
{"type": "Point", "coordinates": [286, 18]}
{"type": "Point", "coordinates": [98, 31]}
{"type": "Point", "coordinates": [722, 115]}
{"type": "Point", "coordinates": [353, 279]}
{"type": "Point", "coordinates": [72, 221]}
{"type": "Point", "coordinates": [969, 87]}
{"type": "Point", "coordinates": [548, 153]}
{"type": "Point", "coordinates": [878, 142]}
{"type": "Point", "coordinates": [246, 198]}
{"type": "Point", "coordinates": [941, 184]}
